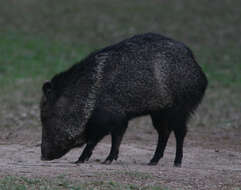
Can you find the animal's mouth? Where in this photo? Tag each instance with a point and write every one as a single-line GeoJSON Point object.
{"type": "Point", "coordinates": [49, 158]}
{"type": "Point", "coordinates": [49, 155]}
{"type": "Point", "coordinates": [46, 159]}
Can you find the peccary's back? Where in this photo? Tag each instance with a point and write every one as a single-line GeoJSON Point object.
{"type": "Point", "coordinates": [150, 72]}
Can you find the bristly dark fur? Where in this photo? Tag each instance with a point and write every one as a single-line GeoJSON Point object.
{"type": "Point", "coordinates": [147, 74]}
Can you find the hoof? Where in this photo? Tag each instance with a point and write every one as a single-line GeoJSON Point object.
{"type": "Point", "coordinates": [107, 162]}
{"type": "Point", "coordinates": [152, 163]}
{"type": "Point", "coordinates": [177, 165]}
{"type": "Point", "coordinates": [79, 162]}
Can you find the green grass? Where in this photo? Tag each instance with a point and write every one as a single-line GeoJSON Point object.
{"type": "Point", "coordinates": [24, 183]}
{"type": "Point", "coordinates": [29, 57]}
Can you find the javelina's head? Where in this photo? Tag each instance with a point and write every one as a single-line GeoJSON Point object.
{"type": "Point", "coordinates": [60, 130]}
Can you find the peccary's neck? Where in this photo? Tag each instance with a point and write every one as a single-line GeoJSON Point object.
{"type": "Point", "coordinates": [88, 86]}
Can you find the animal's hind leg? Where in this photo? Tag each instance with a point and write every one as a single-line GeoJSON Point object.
{"type": "Point", "coordinates": [160, 123]}
{"type": "Point", "coordinates": [180, 134]}
{"type": "Point", "coordinates": [116, 137]}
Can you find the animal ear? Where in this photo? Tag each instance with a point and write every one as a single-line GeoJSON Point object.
{"type": "Point", "coordinates": [47, 88]}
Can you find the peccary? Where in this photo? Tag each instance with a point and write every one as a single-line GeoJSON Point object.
{"type": "Point", "coordinates": [147, 74]}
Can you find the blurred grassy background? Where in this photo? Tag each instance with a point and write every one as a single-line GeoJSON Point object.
{"type": "Point", "coordinates": [41, 38]}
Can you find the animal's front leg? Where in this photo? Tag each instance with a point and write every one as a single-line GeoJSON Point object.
{"type": "Point", "coordinates": [94, 135]}
{"type": "Point", "coordinates": [87, 152]}
{"type": "Point", "coordinates": [180, 135]}
{"type": "Point", "coordinates": [113, 155]}
{"type": "Point", "coordinates": [116, 137]}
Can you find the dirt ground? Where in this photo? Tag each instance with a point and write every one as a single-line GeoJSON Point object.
{"type": "Point", "coordinates": [210, 161]}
